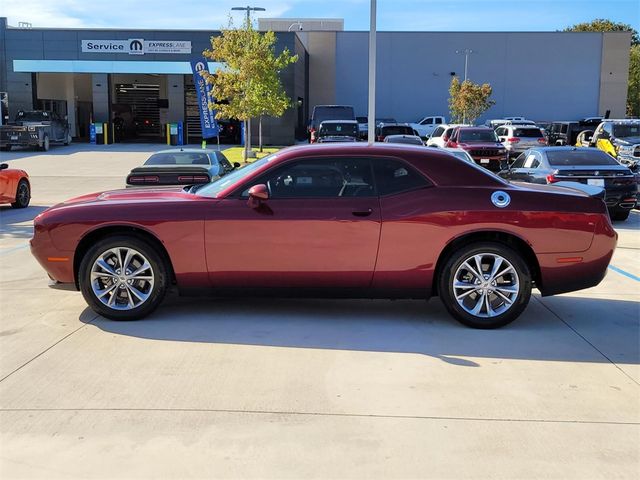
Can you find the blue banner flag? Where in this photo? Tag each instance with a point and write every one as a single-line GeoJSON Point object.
{"type": "Point", "coordinates": [207, 116]}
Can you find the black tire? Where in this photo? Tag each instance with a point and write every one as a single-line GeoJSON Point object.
{"type": "Point", "coordinates": [158, 268]}
{"type": "Point", "coordinates": [456, 260]}
{"type": "Point", "coordinates": [45, 143]}
{"type": "Point", "coordinates": [620, 215]}
{"type": "Point", "coordinates": [67, 139]}
{"type": "Point", "coordinates": [6, 148]}
{"type": "Point", "coordinates": [23, 195]}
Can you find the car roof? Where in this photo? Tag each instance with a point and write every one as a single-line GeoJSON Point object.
{"type": "Point", "coordinates": [480, 127]}
{"type": "Point", "coordinates": [403, 135]}
{"type": "Point", "coordinates": [565, 148]}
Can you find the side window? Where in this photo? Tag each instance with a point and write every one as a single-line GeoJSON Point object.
{"type": "Point", "coordinates": [427, 121]}
{"type": "Point", "coordinates": [224, 163]}
{"type": "Point", "coordinates": [532, 160]}
{"type": "Point", "coordinates": [438, 132]}
{"type": "Point", "coordinates": [607, 129]}
{"type": "Point", "coordinates": [319, 178]}
{"type": "Point", "coordinates": [501, 132]}
{"type": "Point", "coordinates": [394, 176]}
{"type": "Point", "coordinates": [563, 128]}
{"type": "Point", "coordinates": [438, 121]}
{"type": "Point", "coordinates": [519, 162]}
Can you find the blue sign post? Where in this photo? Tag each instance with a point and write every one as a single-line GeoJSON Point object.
{"type": "Point", "coordinates": [92, 133]}
{"type": "Point", "coordinates": [207, 116]}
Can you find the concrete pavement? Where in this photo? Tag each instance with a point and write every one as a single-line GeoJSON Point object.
{"type": "Point", "coordinates": [306, 388]}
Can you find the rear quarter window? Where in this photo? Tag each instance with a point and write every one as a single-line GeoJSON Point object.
{"type": "Point", "coordinates": [527, 132]}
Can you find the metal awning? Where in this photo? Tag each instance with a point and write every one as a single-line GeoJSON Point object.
{"type": "Point", "coordinates": [105, 66]}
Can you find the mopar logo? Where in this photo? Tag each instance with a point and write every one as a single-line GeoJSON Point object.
{"type": "Point", "coordinates": [200, 66]}
{"type": "Point", "coordinates": [136, 47]}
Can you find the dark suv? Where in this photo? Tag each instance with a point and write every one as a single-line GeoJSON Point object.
{"type": "Point", "coordinates": [383, 130]}
{"type": "Point", "coordinates": [566, 133]}
{"type": "Point", "coordinates": [482, 144]}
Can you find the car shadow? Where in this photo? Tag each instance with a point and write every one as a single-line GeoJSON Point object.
{"type": "Point", "coordinates": [12, 220]}
{"type": "Point", "coordinates": [402, 326]}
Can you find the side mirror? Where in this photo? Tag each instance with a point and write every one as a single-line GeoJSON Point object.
{"type": "Point", "coordinates": [4, 166]}
{"type": "Point", "coordinates": [259, 192]}
{"type": "Point", "coordinates": [236, 165]}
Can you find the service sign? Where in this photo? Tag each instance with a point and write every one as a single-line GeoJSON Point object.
{"type": "Point", "coordinates": [136, 46]}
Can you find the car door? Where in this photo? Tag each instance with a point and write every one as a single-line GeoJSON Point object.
{"type": "Point", "coordinates": [319, 228]}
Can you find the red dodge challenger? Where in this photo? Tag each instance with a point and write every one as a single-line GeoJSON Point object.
{"type": "Point", "coordinates": [350, 220]}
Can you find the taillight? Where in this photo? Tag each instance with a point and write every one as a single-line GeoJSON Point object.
{"type": "Point", "coordinates": [551, 178]}
{"type": "Point", "coordinates": [144, 179]}
{"type": "Point", "coordinates": [626, 181]}
{"type": "Point", "coordinates": [513, 140]}
{"type": "Point", "coordinates": [542, 141]}
{"type": "Point", "coordinates": [313, 134]}
{"type": "Point", "coordinates": [193, 179]}
{"type": "Point", "coordinates": [380, 138]}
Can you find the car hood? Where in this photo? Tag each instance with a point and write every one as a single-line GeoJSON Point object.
{"type": "Point", "coordinates": [466, 145]}
{"type": "Point", "coordinates": [133, 195]}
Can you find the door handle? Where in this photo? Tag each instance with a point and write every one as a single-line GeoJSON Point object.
{"type": "Point", "coordinates": [363, 213]}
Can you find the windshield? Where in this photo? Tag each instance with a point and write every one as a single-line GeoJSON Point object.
{"type": "Point", "coordinates": [478, 136]}
{"type": "Point", "coordinates": [571, 158]}
{"type": "Point", "coordinates": [341, 129]}
{"type": "Point", "coordinates": [33, 117]}
{"type": "Point", "coordinates": [212, 189]}
{"type": "Point", "coordinates": [178, 158]}
{"type": "Point", "coordinates": [626, 130]}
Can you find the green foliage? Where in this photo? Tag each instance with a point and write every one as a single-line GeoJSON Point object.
{"type": "Point", "coordinates": [249, 85]}
{"type": "Point", "coordinates": [633, 91]}
{"type": "Point", "coordinates": [604, 25]}
{"type": "Point", "coordinates": [468, 100]}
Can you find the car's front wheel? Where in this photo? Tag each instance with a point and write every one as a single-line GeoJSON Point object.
{"type": "Point", "coordinates": [23, 195]}
{"type": "Point", "coordinates": [123, 278]}
{"type": "Point", "coordinates": [485, 285]}
{"type": "Point", "coordinates": [45, 143]}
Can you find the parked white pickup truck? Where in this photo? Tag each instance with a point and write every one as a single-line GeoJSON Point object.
{"type": "Point", "coordinates": [427, 125]}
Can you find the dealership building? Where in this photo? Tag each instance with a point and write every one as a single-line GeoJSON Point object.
{"type": "Point", "coordinates": [144, 76]}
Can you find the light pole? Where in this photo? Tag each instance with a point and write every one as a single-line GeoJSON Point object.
{"type": "Point", "coordinates": [466, 52]}
{"type": "Point", "coordinates": [371, 121]}
{"type": "Point", "coordinates": [294, 24]}
{"type": "Point", "coordinates": [249, 10]}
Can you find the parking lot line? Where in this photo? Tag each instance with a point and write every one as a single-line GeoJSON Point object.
{"type": "Point", "coordinates": [626, 274]}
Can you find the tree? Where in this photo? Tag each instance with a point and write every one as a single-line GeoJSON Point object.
{"type": "Point", "coordinates": [468, 100]}
{"type": "Point", "coordinates": [249, 84]}
{"type": "Point", "coordinates": [603, 25]}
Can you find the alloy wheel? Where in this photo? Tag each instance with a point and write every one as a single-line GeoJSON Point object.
{"type": "Point", "coordinates": [486, 285]}
{"type": "Point", "coordinates": [122, 278]}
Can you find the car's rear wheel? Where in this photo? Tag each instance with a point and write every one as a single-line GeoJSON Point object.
{"type": "Point", "coordinates": [123, 278]}
{"type": "Point", "coordinates": [485, 285]}
{"type": "Point", "coordinates": [67, 139]}
{"type": "Point", "coordinates": [620, 215]}
{"type": "Point", "coordinates": [6, 148]}
{"type": "Point", "coordinates": [45, 143]}
{"type": "Point", "coordinates": [23, 195]}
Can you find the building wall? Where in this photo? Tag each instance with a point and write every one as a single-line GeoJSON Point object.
{"type": "Point", "coordinates": [543, 75]}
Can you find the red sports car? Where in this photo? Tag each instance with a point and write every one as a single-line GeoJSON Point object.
{"type": "Point", "coordinates": [14, 187]}
{"type": "Point", "coordinates": [384, 221]}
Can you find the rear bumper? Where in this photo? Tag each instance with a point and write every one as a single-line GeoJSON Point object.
{"type": "Point", "coordinates": [568, 272]}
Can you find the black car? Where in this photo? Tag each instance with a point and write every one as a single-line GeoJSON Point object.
{"type": "Point", "coordinates": [187, 166]}
{"type": "Point", "coordinates": [584, 165]}
{"type": "Point", "coordinates": [331, 131]}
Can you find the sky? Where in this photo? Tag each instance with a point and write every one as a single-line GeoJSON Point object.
{"type": "Point", "coordinates": [396, 15]}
